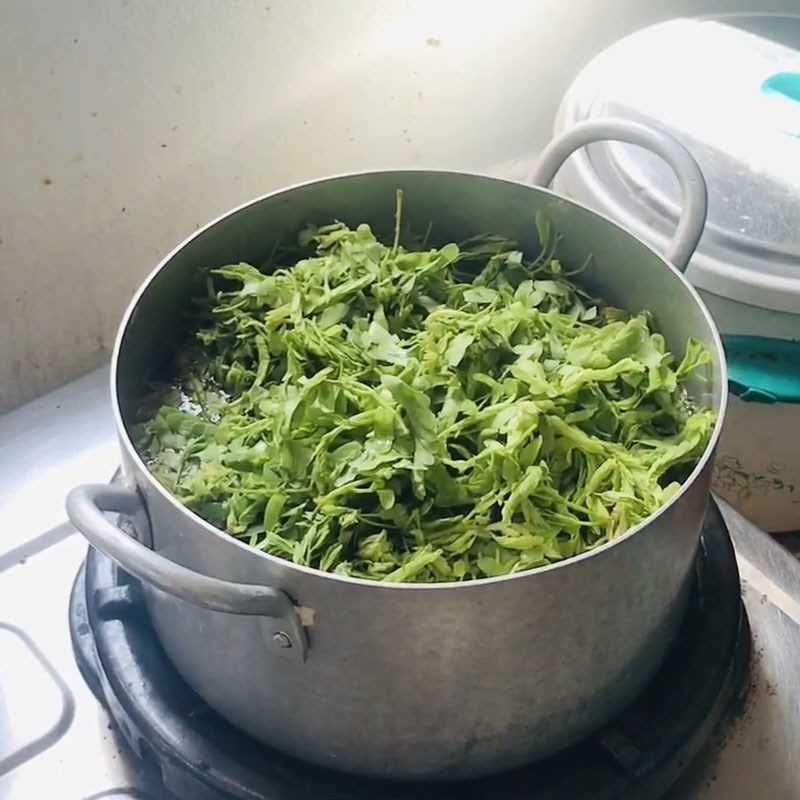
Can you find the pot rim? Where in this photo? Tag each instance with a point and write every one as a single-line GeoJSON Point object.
{"type": "Point", "coordinates": [127, 443]}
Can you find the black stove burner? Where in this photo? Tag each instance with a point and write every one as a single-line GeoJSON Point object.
{"type": "Point", "coordinates": [189, 749]}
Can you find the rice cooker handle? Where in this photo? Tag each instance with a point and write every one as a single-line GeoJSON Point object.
{"type": "Point", "coordinates": [86, 506]}
{"type": "Point", "coordinates": [693, 186]}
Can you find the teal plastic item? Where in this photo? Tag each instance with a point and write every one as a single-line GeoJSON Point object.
{"type": "Point", "coordinates": [783, 83]}
{"type": "Point", "coordinates": [763, 370]}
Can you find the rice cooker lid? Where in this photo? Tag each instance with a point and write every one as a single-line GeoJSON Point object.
{"type": "Point", "coordinates": [728, 88]}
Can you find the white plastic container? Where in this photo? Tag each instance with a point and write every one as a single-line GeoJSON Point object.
{"type": "Point", "coordinates": [729, 90]}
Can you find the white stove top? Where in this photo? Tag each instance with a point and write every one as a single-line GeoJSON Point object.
{"type": "Point", "coordinates": [57, 742]}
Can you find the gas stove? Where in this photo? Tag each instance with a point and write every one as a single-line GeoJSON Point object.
{"type": "Point", "coordinates": [57, 740]}
{"type": "Point", "coordinates": [188, 748]}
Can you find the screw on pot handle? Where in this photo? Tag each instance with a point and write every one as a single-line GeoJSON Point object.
{"type": "Point", "coordinates": [693, 186]}
{"type": "Point", "coordinates": [86, 506]}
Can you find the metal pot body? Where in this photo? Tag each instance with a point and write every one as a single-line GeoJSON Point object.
{"type": "Point", "coordinates": [439, 681]}
{"type": "Point", "coordinates": [429, 682]}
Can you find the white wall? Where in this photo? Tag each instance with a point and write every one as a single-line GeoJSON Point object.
{"type": "Point", "coordinates": [124, 125]}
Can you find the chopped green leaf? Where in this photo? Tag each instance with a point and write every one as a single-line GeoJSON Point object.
{"type": "Point", "coordinates": [422, 415]}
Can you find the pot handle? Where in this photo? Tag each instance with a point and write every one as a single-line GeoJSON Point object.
{"type": "Point", "coordinates": [693, 186]}
{"type": "Point", "coordinates": [86, 506]}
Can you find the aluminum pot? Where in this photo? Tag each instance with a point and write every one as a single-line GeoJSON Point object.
{"type": "Point", "coordinates": [441, 681]}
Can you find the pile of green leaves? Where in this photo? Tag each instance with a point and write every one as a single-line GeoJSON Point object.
{"type": "Point", "coordinates": [422, 415]}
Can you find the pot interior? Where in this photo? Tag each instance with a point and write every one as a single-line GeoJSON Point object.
{"type": "Point", "coordinates": [621, 270]}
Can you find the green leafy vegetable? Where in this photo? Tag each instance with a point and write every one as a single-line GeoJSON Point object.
{"type": "Point", "coordinates": [432, 415]}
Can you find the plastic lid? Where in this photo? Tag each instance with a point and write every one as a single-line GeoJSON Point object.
{"type": "Point", "coordinates": [730, 92]}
